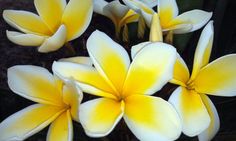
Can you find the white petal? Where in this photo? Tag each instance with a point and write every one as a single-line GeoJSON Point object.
{"type": "Point", "coordinates": [54, 42]}
{"type": "Point", "coordinates": [78, 60]}
{"type": "Point", "coordinates": [191, 109]}
{"type": "Point", "coordinates": [136, 48]}
{"type": "Point", "coordinates": [27, 122]}
{"type": "Point", "coordinates": [98, 6]}
{"type": "Point", "coordinates": [34, 83]}
{"type": "Point", "coordinates": [151, 118]}
{"type": "Point", "coordinates": [198, 18]}
{"type": "Point", "coordinates": [214, 126]}
{"type": "Point", "coordinates": [203, 50]}
{"type": "Point", "coordinates": [151, 69]}
{"type": "Point", "coordinates": [100, 116]}
{"type": "Point", "coordinates": [25, 39]}
{"type": "Point", "coordinates": [109, 58]}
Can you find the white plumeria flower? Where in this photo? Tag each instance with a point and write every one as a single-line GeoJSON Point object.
{"type": "Point", "coordinates": [120, 14]}
{"type": "Point", "coordinates": [57, 103]}
{"type": "Point", "coordinates": [125, 88]}
{"type": "Point", "coordinates": [198, 114]}
{"type": "Point", "coordinates": [57, 23]}
{"type": "Point", "coordinates": [170, 19]}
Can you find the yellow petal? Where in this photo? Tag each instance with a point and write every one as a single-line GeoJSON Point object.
{"type": "Point", "coordinates": [203, 50]}
{"type": "Point", "coordinates": [28, 121]}
{"type": "Point", "coordinates": [98, 117]}
{"type": "Point", "coordinates": [88, 78]}
{"type": "Point", "coordinates": [197, 18]}
{"type": "Point", "coordinates": [129, 17]}
{"type": "Point", "coordinates": [136, 48]}
{"type": "Point", "coordinates": [151, 118]}
{"type": "Point", "coordinates": [155, 29]}
{"type": "Point", "coordinates": [54, 42]}
{"type": "Point", "coordinates": [109, 58]}
{"type": "Point", "coordinates": [34, 83]}
{"type": "Point", "coordinates": [151, 69]}
{"type": "Point", "coordinates": [72, 96]}
{"type": "Point", "coordinates": [78, 60]}
{"type": "Point", "coordinates": [98, 6]}
{"type": "Point", "coordinates": [181, 72]}
{"type": "Point", "coordinates": [77, 16]}
{"type": "Point", "coordinates": [192, 111]}
{"type": "Point", "coordinates": [25, 39]}
{"type": "Point", "coordinates": [218, 78]}
{"type": "Point", "coordinates": [51, 12]}
{"type": "Point", "coordinates": [26, 22]}
{"type": "Point", "coordinates": [214, 126]}
{"type": "Point", "coordinates": [61, 129]}
{"type": "Point", "coordinates": [167, 10]}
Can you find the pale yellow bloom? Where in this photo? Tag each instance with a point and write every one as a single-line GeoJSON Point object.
{"type": "Point", "coordinates": [57, 103]}
{"type": "Point", "coordinates": [198, 114]}
{"type": "Point", "coordinates": [120, 14]}
{"type": "Point", "coordinates": [169, 15]}
{"type": "Point", "coordinates": [57, 23]}
{"type": "Point", "coordinates": [125, 88]}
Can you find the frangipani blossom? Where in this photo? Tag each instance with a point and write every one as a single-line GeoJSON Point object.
{"type": "Point", "coordinates": [57, 23]}
{"type": "Point", "coordinates": [170, 19]}
{"type": "Point", "coordinates": [125, 89]}
{"type": "Point", "coordinates": [57, 103]}
{"type": "Point", "coordinates": [120, 14]}
{"type": "Point", "coordinates": [218, 78]}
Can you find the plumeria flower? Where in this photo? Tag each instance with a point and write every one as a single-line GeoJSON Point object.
{"type": "Point", "coordinates": [57, 103]}
{"type": "Point", "coordinates": [170, 19]}
{"type": "Point", "coordinates": [125, 89]}
{"type": "Point", "coordinates": [120, 14]}
{"type": "Point", "coordinates": [56, 24]}
{"type": "Point", "coordinates": [218, 78]}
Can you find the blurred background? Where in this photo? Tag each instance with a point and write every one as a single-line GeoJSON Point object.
{"type": "Point", "coordinates": [224, 43]}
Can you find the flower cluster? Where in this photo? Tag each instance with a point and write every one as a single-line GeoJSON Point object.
{"type": "Point", "coordinates": [124, 85]}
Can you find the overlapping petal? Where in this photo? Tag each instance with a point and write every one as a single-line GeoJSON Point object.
{"type": "Point", "coordinates": [61, 129]}
{"type": "Point", "coordinates": [51, 12]}
{"type": "Point", "coordinates": [109, 58]}
{"type": "Point", "coordinates": [191, 108]}
{"type": "Point", "coordinates": [98, 117]}
{"type": "Point", "coordinates": [218, 78]}
{"type": "Point", "coordinates": [151, 118]}
{"type": "Point", "coordinates": [197, 18]}
{"type": "Point", "coordinates": [76, 17]}
{"type": "Point", "coordinates": [167, 10]}
{"type": "Point", "coordinates": [181, 73]}
{"type": "Point", "coordinates": [151, 69]}
{"type": "Point", "coordinates": [25, 39]}
{"type": "Point", "coordinates": [88, 78]}
{"type": "Point", "coordinates": [26, 22]}
{"type": "Point", "coordinates": [203, 50]}
{"type": "Point", "coordinates": [136, 48]}
{"type": "Point", "coordinates": [98, 6]}
{"type": "Point", "coordinates": [72, 96]}
{"type": "Point", "coordinates": [28, 121]}
{"type": "Point", "coordinates": [79, 60]}
{"type": "Point", "coordinates": [34, 83]}
{"type": "Point", "coordinates": [54, 42]}
{"type": "Point", "coordinates": [214, 126]}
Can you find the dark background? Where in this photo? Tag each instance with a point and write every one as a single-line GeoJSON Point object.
{"type": "Point", "coordinates": [224, 43]}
